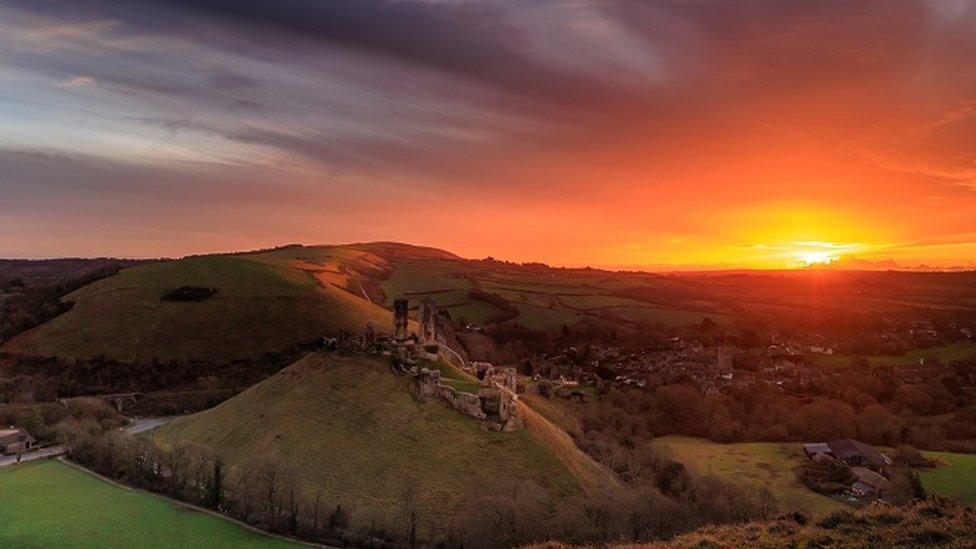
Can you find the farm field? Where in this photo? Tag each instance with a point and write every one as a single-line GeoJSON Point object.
{"type": "Point", "coordinates": [945, 353]}
{"type": "Point", "coordinates": [770, 465]}
{"type": "Point", "coordinates": [410, 278]}
{"type": "Point", "coordinates": [541, 318]}
{"type": "Point", "coordinates": [365, 439]}
{"type": "Point", "coordinates": [667, 317]}
{"type": "Point", "coordinates": [545, 300]}
{"type": "Point", "coordinates": [50, 504]}
{"type": "Point", "coordinates": [757, 465]}
{"type": "Point", "coordinates": [955, 477]}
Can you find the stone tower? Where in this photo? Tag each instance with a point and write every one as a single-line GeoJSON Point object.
{"type": "Point", "coordinates": [401, 312]}
{"type": "Point", "coordinates": [428, 321]}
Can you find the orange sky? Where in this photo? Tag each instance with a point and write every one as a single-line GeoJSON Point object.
{"type": "Point", "coordinates": [664, 135]}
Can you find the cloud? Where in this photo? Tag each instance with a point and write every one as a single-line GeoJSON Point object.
{"type": "Point", "coordinates": [625, 115]}
{"type": "Point", "coordinates": [79, 82]}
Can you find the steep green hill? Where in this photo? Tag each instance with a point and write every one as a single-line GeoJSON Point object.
{"type": "Point", "coordinates": [350, 426]}
{"type": "Point", "coordinates": [260, 306]}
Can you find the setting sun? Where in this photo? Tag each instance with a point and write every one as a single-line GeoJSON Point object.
{"type": "Point", "coordinates": [818, 258]}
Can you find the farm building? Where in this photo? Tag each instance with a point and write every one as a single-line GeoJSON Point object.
{"type": "Point", "coordinates": [852, 452]}
{"type": "Point", "coordinates": [15, 441]}
{"type": "Point", "coordinates": [868, 483]}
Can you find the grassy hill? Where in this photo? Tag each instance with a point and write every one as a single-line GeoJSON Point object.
{"type": "Point", "coordinates": [263, 303]}
{"type": "Point", "coordinates": [351, 426]}
{"type": "Point", "coordinates": [50, 504]}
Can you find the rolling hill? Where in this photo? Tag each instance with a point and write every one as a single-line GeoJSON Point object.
{"type": "Point", "coordinates": [263, 302]}
{"type": "Point", "coordinates": [270, 300]}
{"type": "Point", "coordinates": [351, 426]}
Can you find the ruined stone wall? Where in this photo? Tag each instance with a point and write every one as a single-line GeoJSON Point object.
{"type": "Point", "coordinates": [401, 312]}
{"type": "Point", "coordinates": [428, 321]}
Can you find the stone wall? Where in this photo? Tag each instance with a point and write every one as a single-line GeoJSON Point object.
{"type": "Point", "coordinates": [495, 404]}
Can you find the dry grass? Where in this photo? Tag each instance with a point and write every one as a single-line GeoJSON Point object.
{"type": "Point", "coordinates": [933, 523]}
{"type": "Point", "coordinates": [927, 524]}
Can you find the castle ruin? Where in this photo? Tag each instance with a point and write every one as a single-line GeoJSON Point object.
{"type": "Point", "coordinates": [401, 319]}
{"type": "Point", "coordinates": [428, 321]}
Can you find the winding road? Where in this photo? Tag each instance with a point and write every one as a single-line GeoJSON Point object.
{"type": "Point", "coordinates": [135, 426]}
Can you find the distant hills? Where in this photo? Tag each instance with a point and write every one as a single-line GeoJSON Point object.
{"type": "Point", "coordinates": [248, 304]}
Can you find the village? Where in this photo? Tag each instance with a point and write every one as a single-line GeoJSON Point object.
{"type": "Point", "coordinates": [789, 364]}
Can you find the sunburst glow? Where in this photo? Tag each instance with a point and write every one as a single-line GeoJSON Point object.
{"type": "Point", "coordinates": [818, 258]}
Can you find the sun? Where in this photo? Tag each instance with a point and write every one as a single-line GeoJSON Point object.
{"type": "Point", "coordinates": [818, 257]}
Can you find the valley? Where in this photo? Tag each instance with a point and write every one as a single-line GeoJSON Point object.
{"type": "Point", "coordinates": [658, 397]}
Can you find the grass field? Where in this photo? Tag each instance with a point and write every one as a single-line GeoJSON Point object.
{"type": "Point", "coordinates": [770, 465]}
{"type": "Point", "coordinates": [945, 353]}
{"type": "Point", "coordinates": [50, 504]}
{"type": "Point", "coordinates": [667, 317]}
{"type": "Point", "coordinates": [352, 426]}
{"type": "Point", "coordinates": [413, 278]}
{"type": "Point", "coordinates": [540, 318]}
{"type": "Point", "coordinates": [766, 465]}
{"type": "Point", "coordinates": [259, 307]}
{"type": "Point", "coordinates": [955, 477]}
{"type": "Point", "coordinates": [597, 301]}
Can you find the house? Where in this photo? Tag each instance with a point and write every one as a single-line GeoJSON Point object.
{"type": "Point", "coordinates": [811, 449]}
{"type": "Point", "coordinates": [852, 452]}
{"type": "Point", "coordinates": [857, 454]}
{"type": "Point", "coordinates": [15, 441]}
{"type": "Point", "coordinates": [867, 483]}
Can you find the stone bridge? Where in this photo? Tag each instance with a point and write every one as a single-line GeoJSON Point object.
{"type": "Point", "coordinates": [119, 400]}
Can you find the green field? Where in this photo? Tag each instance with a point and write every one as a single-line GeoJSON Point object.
{"type": "Point", "coordinates": [667, 317]}
{"type": "Point", "coordinates": [50, 504]}
{"type": "Point", "coordinates": [954, 477]}
{"type": "Point", "coordinates": [597, 301]}
{"type": "Point", "coordinates": [259, 307]}
{"type": "Point", "coordinates": [352, 426]}
{"type": "Point", "coordinates": [421, 278]}
{"type": "Point", "coordinates": [540, 318]}
{"type": "Point", "coordinates": [770, 465]}
{"type": "Point", "coordinates": [766, 465]}
{"type": "Point", "coordinates": [945, 353]}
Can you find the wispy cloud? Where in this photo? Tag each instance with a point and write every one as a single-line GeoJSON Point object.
{"type": "Point", "coordinates": [637, 118]}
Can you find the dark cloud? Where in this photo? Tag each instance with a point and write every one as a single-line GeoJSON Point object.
{"type": "Point", "coordinates": [609, 97]}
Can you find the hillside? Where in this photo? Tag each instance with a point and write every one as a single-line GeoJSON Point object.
{"type": "Point", "coordinates": [350, 426]}
{"type": "Point", "coordinates": [263, 302]}
{"type": "Point", "coordinates": [925, 524]}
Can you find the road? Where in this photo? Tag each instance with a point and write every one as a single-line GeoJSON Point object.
{"type": "Point", "coordinates": [142, 424]}
{"type": "Point", "coordinates": [135, 426]}
{"type": "Point", "coordinates": [43, 453]}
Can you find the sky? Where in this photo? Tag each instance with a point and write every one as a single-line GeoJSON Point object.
{"type": "Point", "coordinates": [618, 133]}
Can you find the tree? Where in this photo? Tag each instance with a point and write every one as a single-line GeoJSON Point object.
{"type": "Point", "coordinates": [338, 520]}
{"type": "Point", "coordinates": [216, 487]}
